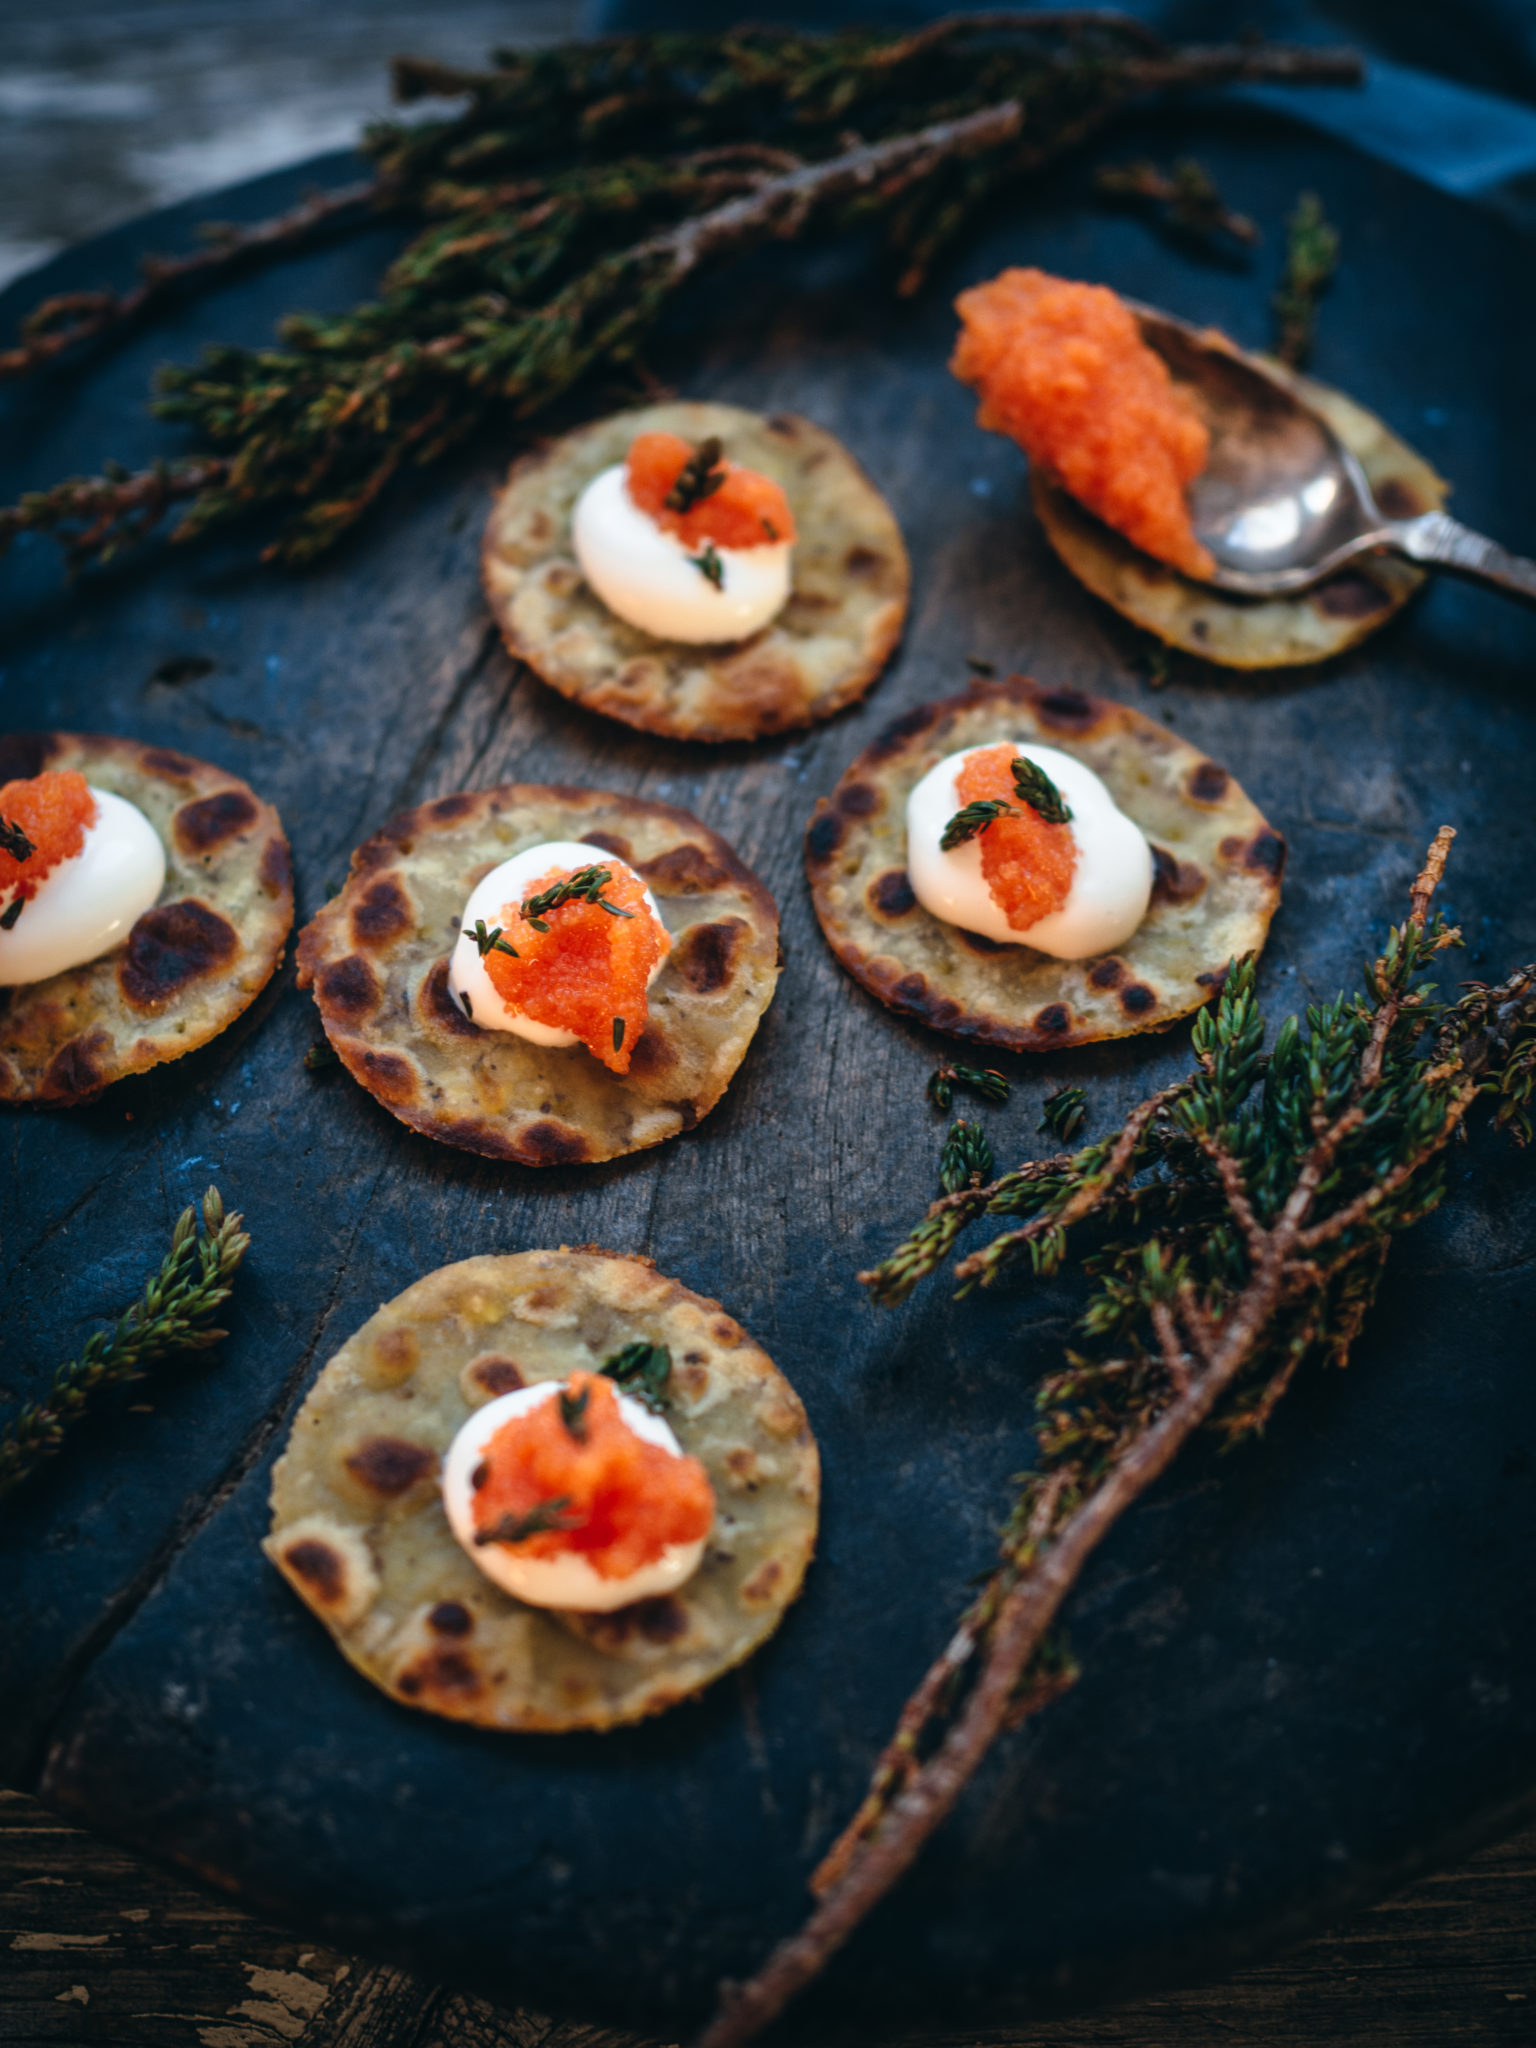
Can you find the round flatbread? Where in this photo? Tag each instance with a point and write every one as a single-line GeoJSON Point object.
{"type": "Point", "coordinates": [844, 616]}
{"type": "Point", "coordinates": [1245, 632]}
{"type": "Point", "coordinates": [197, 957]}
{"type": "Point", "coordinates": [377, 958]}
{"type": "Point", "coordinates": [1217, 868]}
{"type": "Point", "coordinates": [359, 1531]}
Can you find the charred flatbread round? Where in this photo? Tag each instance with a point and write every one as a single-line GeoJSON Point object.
{"type": "Point", "coordinates": [1217, 867]}
{"type": "Point", "coordinates": [843, 618]}
{"type": "Point", "coordinates": [377, 959]}
{"type": "Point", "coordinates": [359, 1531]}
{"type": "Point", "coordinates": [197, 957]}
{"type": "Point", "coordinates": [1241, 632]}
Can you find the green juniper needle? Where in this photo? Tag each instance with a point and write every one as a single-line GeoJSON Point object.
{"type": "Point", "coordinates": [173, 1315]}
{"type": "Point", "coordinates": [542, 1517]}
{"type": "Point", "coordinates": [1032, 786]}
{"type": "Point", "coordinates": [585, 886]}
{"type": "Point", "coordinates": [986, 1082]}
{"type": "Point", "coordinates": [1062, 1114]}
{"type": "Point", "coordinates": [491, 941]}
{"type": "Point", "coordinates": [971, 819]}
{"type": "Point", "coordinates": [14, 841]}
{"type": "Point", "coordinates": [642, 1369]}
{"type": "Point", "coordinates": [573, 1412]}
{"type": "Point", "coordinates": [1242, 1219]}
{"type": "Point", "coordinates": [966, 1160]}
{"type": "Point", "coordinates": [1036, 789]}
{"type": "Point", "coordinates": [710, 566]}
{"type": "Point", "coordinates": [699, 478]}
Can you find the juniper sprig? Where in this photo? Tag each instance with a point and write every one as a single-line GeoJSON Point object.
{"type": "Point", "coordinates": [966, 1160]}
{"type": "Point", "coordinates": [1063, 1113]}
{"type": "Point", "coordinates": [173, 1315]}
{"type": "Point", "coordinates": [556, 217]}
{"type": "Point", "coordinates": [1311, 258]}
{"type": "Point", "coordinates": [986, 1082]}
{"type": "Point", "coordinates": [1187, 199]}
{"type": "Point", "coordinates": [1243, 1219]}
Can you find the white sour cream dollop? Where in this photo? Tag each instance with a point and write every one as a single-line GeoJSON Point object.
{"type": "Point", "coordinates": [89, 903]}
{"type": "Point", "coordinates": [1111, 883]}
{"type": "Point", "coordinates": [651, 579]}
{"type": "Point", "coordinates": [567, 1580]}
{"type": "Point", "coordinates": [510, 883]}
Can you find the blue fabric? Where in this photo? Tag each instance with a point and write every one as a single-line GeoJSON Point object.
{"type": "Point", "coordinates": [1450, 94]}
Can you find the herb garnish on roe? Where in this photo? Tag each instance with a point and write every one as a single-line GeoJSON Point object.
{"type": "Point", "coordinates": [585, 886]}
{"type": "Point", "coordinates": [1034, 789]}
{"type": "Point", "coordinates": [539, 1520]}
{"type": "Point", "coordinates": [699, 478]}
{"type": "Point", "coordinates": [14, 841]}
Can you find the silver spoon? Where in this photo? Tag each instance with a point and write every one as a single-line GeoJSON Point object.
{"type": "Point", "coordinates": [1281, 503]}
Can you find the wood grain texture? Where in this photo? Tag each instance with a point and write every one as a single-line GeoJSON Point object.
{"type": "Point", "coordinates": [1308, 1669]}
{"type": "Point", "coordinates": [102, 1947]}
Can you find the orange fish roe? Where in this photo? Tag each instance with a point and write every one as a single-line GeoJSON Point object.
{"type": "Point", "coordinates": [589, 969]}
{"type": "Point", "coordinates": [748, 511]}
{"type": "Point", "coordinates": [625, 1499]}
{"type": "Point", "coordinates": [53, 809]}
{"type": "Point", "coordinates": [1063, 370]}
{"type": "Point", "coordinates": [1027, 864]}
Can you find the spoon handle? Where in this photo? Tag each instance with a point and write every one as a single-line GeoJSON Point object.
{"type": "Point", "coordinates": [1441, 542]}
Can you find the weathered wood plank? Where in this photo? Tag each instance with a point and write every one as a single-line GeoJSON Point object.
{"type": "Point", "coordinates": [100, 1946]}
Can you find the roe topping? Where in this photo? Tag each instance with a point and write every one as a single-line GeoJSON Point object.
{"type": "Point", "coordinates": [1063, 370]}
{"type": "Point", "coordinates": [589, 972]}
{"type": "Point", "coordinates": [53, 809]}
{"type": "Point", "coordinates": [747, 510]}
{"type": "Point", "coordinates": [1027, 864]}
{"type": "Point", "coordinates": [618, 1500]}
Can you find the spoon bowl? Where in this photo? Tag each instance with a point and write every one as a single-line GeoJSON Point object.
{"type": "Point", "coordinates": [1281, 503]}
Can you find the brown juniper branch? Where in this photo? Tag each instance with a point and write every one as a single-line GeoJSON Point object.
{"type": "Point", "coordinates": [66, 320]}
{"type": "Point", "coordinates": [1285, 1306]}
{"type": "Point", "coordinates": [565, 206]}
{"type": "Point", "coordinates": [1026, 1615]}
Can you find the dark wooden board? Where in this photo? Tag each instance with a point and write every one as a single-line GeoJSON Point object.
{"type": "Point", "coordinates": [1308, 1668]}
{"type": "Point", "coordinates": [104, 1947]}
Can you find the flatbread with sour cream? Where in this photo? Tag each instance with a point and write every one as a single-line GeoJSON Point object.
{"type": "Point", "coordinates": [1217, 877]}
{"type": "Point", "coordinates": [847, 603]}
{"type": "Point", "coordinates": [377, 957]}
{"type": "Point", "coordinates": [197, 957]}
{"type": "Point", "coordinates": [359, 1530]}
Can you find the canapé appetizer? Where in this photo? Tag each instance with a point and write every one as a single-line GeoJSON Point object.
{"type": "Point", "coordinates": [1114, 440]}
{"type": "Point", "coordinates": [1036, 868]}
{"type": "Point", "coordinates": [145, 899]}
{"type": "Point", "coordinates": [698, 571]}
{"type": "Point", "coordinates": [547, 975]}
{"type": "Point", "coordinates": [547, 1491]}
